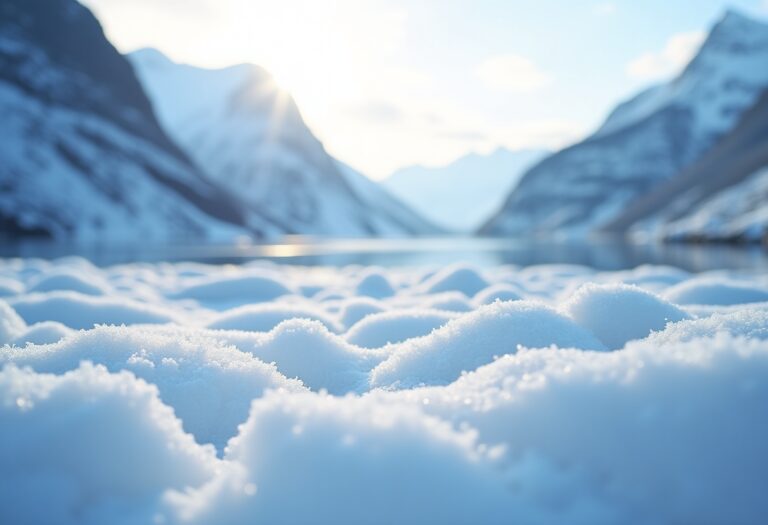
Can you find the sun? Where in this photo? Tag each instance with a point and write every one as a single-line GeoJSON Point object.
{"type": "Point", "coordinates": [305, 46]}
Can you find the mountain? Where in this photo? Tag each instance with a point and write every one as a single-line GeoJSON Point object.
{"type": "Point", "coordinates": [462, 194]}
{"type": "Point", "coordinates": [644, 141]}
{"type": "Point", "coordinates": [723, 196]}
{"type": "Point", "coordinates": [249, 137]}
{"type": "Point", "coordinates": [83, 156]}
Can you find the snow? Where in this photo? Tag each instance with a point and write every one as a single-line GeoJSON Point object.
{"type": "Point", "coordinates": [81, 311]}
{"type": "Point", "coordinates": [618, 313]}
{"type": "Point", "coordinates": [374, 284]}
{"type": "Point", "coordinates": [497, 292]}
{"type": "Point", "coordinates": [456, 278]}
{"type": "Point", "coordinates": [476, 339]}
{"type": "Point", "coordinates": [250, 288]}
{"type": "Point", "coordinates": [281, 394]}
{"type": "Point", "coordinates": [716, 291]}
{"type": "Point", "coordinates": [11, 324]}
{"type": "Point", "coordinates": [208, 383]}
{"type": "Point", "coordinates": [99, 447]}
{"type": "Point", "coordinates": [264, 317]}
{"type": "Point", "coordinates": [379, 329]}
{"type": "Point", "coordinates": [67, 280]}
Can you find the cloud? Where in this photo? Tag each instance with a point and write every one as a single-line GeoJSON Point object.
{"type": "Point", "coordinates": [512, 73]}
{"type": "Point", "coordinates": [677, 52]}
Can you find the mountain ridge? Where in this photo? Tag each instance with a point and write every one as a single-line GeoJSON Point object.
{"type": "Point", "coordinates": [248, 136]}
{"type": "Point", "coordinates": [644, 141]}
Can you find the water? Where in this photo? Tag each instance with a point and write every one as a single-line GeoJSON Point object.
{"type": "Point", "coordinates": [604, 255]}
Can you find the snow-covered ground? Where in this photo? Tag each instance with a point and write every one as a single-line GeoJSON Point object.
{"type": "Point", "coordinates": [284, 394]}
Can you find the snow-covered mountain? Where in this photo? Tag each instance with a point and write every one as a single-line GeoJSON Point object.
{"type": "Point", "coordinates": [462, 194]}
{"type": "Point", "coordinates": [249, 137]}
{"type": "Point", "coordinates": [645, 140]}
{"type": "Point", "coordinates": [723, 196]}
{"type": "Point", "coordinates": [83, 156]}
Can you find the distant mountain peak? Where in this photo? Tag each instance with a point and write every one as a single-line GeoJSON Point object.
{"type": "Point", "coordinates": [151, 55]}
{"type": "Point", "coordinates": [734, 18]}
{"type": "Point", "coordinates": [249, 137]}
{"type": "Point", "coordinates": [646, 139]}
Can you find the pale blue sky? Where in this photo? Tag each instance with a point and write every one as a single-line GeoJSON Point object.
{"type": "Point", "coordinates": [387, 83]}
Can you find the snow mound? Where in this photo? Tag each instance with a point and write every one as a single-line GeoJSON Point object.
{"type": "Point", "coordinates": [748, 323]}
{"type": "Point", "coordinates": [80, 311]}
{"type": "Point", "coordinates": [68, 280]}
{"type": "Point", "coordinates": [455, 278]}
{"type": "Point", "coordinates": [10, 287]}
{"type": "Point", "coordinates": [476, 339]}
{"type": "Point", "coordinates": [497, 292]}
{"type": "Point", "coordinates": [714, 291]}
{"type": "Point", "coordinates": [653, 278]}
{"type": "Point", "coordinates": [240, 288]}
{"type": "Point", "coordinates": [510, 412]}
{"type": "Point", "coordinates": [209, 384]}
{"type": "Point", "coordinates": [308, 351]}
{"type": "Point", "coordinates": [264, 317]}
{"type": "Point", "coordinates": [396, 326]}
{"type": "Point", "coordinates": [354, 310]}
{"type": "Point", "coordinates": [374, 284]}
{"type": "Point", "coordinates": [401, 467]}
{"type": "Point", "coordinates": [11, 324]}
{"type": "Point", "coordinates": [617, 313]}
{"type": "Point", "coordinates": [98, 448]}
{"type": "Point", "coordinates": [43, 333]}
{"type": "Point", "coordinates": [448, 301]}
{"type": "Point", "coordinates": [686, 412]}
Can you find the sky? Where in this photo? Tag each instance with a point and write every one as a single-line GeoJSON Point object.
{"type": "Point", "coordinates": [391, 83]}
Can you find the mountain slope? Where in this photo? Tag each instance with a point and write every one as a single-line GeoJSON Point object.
{"type": "Point", "coordinates": [645, 141]}
{"type": "Point", "coordinates": [83, 155]}
{"type": "Point", "coordinates": [462, 194]}
{"type": "Point", "coordinates": [249, 137]}
{"type": "Point", "coordinates": [722, 196]}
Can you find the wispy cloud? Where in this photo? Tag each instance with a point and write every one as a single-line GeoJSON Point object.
{"type": "Point", "coordinates": [512, 73]}
{"type": "Point", "coordinates": [676, 53]}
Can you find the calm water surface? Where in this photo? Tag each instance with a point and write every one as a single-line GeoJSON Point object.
{"type": "Point", "coordinates": [605, 255]}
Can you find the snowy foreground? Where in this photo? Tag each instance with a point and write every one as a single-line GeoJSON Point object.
{"type": "Point", "coordinates": [271, 394]}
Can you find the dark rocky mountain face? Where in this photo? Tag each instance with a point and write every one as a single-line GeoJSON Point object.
{"type": "Point", "coordinates": [83, 154]}
{"type": "Point", "coordinates": [67, 34]}
{"type": "Point", "coordinates": [727, 167]}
